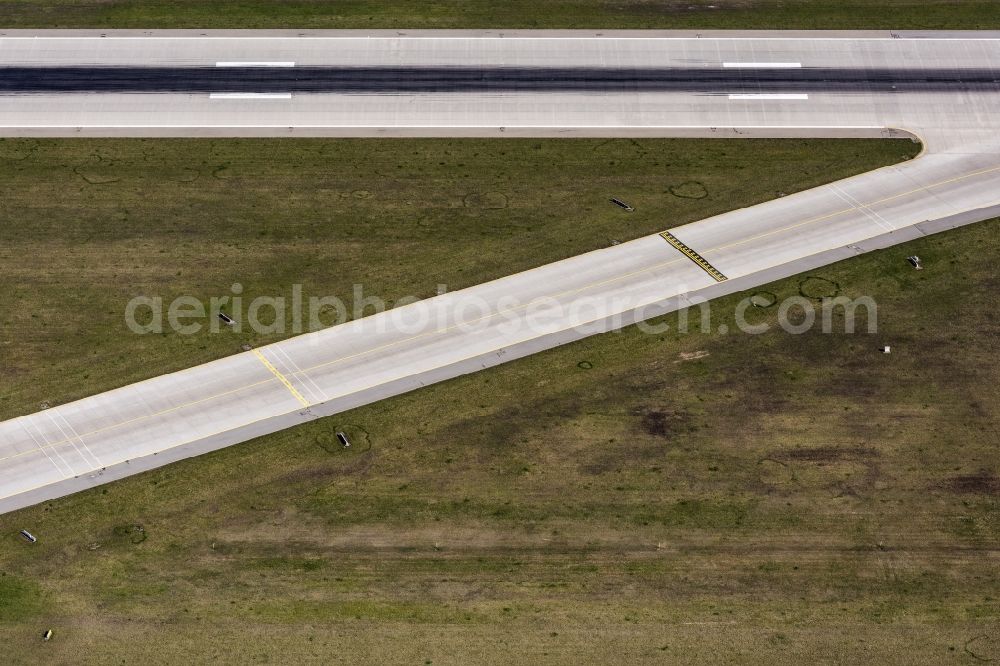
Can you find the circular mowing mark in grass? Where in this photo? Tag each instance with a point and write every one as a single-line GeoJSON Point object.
{"type": "Point", "coordinates": [775, 474]}
{"type": "Point", "coordinates": [983, 647]}
{"type": "Point", "coordinates": [362, 194]}
{"type": "Point", "coordinates": [488, 200]}
{"type": "Point", "coordinates": [818, 288]}
{"type": "Point", "coordinates": [629, 148]}
{"type": "Point", "coordinates": [96, 177]}
{"type": "Point", "coordinates": [691, 189]}
{"type": "Point", "coordinates": [763, 299]}
{"type": "Point", "coordinates": [585, 365]}
{"type": "Point", "coordinates": [358, 437]}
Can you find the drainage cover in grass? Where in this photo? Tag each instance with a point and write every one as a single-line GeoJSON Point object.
{"type": "Point", "coordinates": [359, 438]}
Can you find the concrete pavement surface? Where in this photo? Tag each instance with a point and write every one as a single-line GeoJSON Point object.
{"type": "Point", "coordinates": [955, 181]}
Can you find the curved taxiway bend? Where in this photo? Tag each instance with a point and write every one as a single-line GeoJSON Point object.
{"type": "Point", "coordinates": [955, 181]}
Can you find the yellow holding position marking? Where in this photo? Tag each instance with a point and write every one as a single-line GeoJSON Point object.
{"type": "Point", "coordinates": [694, 256]}
{"type": "Point", "coordinates": [281, 378]}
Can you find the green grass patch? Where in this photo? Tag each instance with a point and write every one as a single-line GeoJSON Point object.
{"type": "Point", "coordinates": [596, 14]}
{"type": "Point", "coordinates": [20, 598]}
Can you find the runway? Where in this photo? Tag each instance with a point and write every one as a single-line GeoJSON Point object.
{"type": "Point", "coordinates": [745, 85]}
{"type": "Point", "coordinates": [497, 80]}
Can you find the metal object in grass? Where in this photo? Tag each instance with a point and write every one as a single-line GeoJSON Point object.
{"type": "Point", "coordinates": [622, 204]}
{"type": "Point", "coordinates": [47, 635]}
{"type": "Point", "coordinates": [342, 436]}
{"type": "Point", "coordinates": [226, 319]}
{"type": "Point", "coordinates": [915, 262]}
{"type": "Point", "coordinates": [29, 536]}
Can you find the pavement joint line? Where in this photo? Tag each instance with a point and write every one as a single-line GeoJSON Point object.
{"type": "Point", "coordinates": [281, 378]}
{"type": "Point", "coordinates": [315, 388]}
{"type": "Point", "coordinates": [52, 446]}
{"type": "Point", "coordinates": [865, 210]}
{"type": "Point", "coordinates": [66, 438]}
{"type": "Point", "coordinates": [77, 435]}
{"type": "Point", "coordinates": [694, 256]}
{"type": "Point", "coordinates": [44, 449]}
{"type": "Point", "coordinates": [498, 313]}
{"type": "Point", "coordinates": [73, 439]}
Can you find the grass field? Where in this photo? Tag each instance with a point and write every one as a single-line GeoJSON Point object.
{"type": "Point", "coordinates": [599, 14]}
{"type": "Point", "coordinates": [657, 499]}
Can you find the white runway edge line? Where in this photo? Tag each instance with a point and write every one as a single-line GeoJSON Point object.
{"type": "Point", "coordinates": [255, 64]}
{"type": "Point", "coordinates": [769, 96]}
{"type": "Point", "coordinates": [762, 65]}
{"type": "Point", "coordinates": [247, 95]}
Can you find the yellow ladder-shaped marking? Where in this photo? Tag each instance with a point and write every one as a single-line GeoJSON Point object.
{"type": "Point", "coordinates": [694, 256]}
